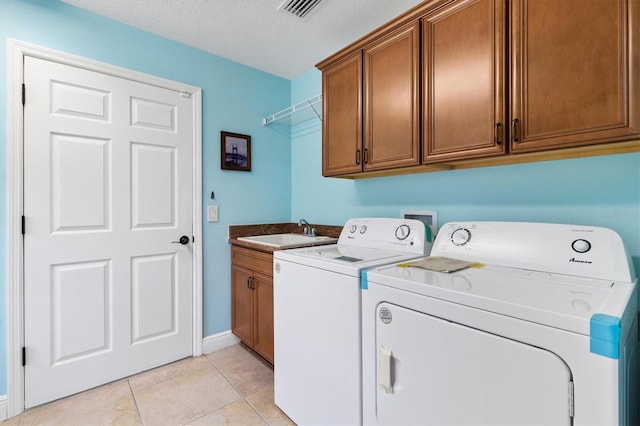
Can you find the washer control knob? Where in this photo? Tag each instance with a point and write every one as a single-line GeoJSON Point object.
{"type": "Point", "coordinates": [363, 229]}
{"type": "Point", "coordinates": [581, 246]}
{"type": "Point", "coordinates": [353, 228]}
{"type": "Point", "coordinates": [460, 236]}
{"type": "Point", "coordinates": [403, 231]}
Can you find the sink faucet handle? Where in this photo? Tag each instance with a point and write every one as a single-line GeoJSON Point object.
{"type": "Point", "coordinates": [307, 227]}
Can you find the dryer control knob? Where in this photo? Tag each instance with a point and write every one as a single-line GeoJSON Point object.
{"type": "Point", "coordinates": [581, 246]}
{"type": "Point", "coordinates": [460, 236]}
{"type": "Point", "coordinates": [353, 228]}
{"type": "Point", "coordinates": [363, 229]}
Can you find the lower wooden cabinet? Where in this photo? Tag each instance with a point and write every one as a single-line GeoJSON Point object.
{"type": "Point", "coordinates": [252, 299]}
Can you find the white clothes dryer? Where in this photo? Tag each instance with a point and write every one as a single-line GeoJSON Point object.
{"type": "Point", "coordinates": [540, 328]}
{"type": "Point", "coordinates": [317, 318]}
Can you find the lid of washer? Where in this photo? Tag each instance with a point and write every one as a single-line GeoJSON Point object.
{"type": "Point", "coordinates": [364, 243]}
{"type": "Point", "coordinates": [346, 260]}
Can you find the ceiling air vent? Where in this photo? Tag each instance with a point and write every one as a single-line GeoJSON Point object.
{"type": "Point", "coordinates": [299, 8]}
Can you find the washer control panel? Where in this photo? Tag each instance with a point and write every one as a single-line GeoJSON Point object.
{"type": "Point", "coordinates": [585, 251]}
{"type": "Point", "coordinates": [404, 235]}
{"type": "Point", "coordinates": [403, 231]}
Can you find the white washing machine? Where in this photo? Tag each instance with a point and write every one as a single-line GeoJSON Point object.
{"type": "Point", "coordinates": [317, 317]}
{"type": "Point", "coordinates": [541, 329]}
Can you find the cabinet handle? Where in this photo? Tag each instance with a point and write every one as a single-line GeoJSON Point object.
{"type": "Point", "coordinates": [366, 155]}
{"type": "Point", "coordinates": [357, 156]}
{"type": "Point", "coordinates": [514, 130]}
{"type": "Point", "coordinates": [249, 283]}
{"type": "Point", "coordinates": [253, 285]}
{"type": "Point", "coordinates": [497, 134]}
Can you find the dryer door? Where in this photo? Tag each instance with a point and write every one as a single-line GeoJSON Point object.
{"type": "Point", "coordinates": [432, 371]}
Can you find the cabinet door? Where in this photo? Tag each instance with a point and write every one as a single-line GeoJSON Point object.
{"type": "Point", "coordinates": [575, 72]}
{"type": "Point", "coordinates": [342, 117]}
{"type": "Point", "coordinates": [241, 304]}
{"type": "Point", "coordinates": [263, 316]}
{"type": "Point", "coordinates": [391, 100]}
{"type": "Point", "coordinates": [463, 81]}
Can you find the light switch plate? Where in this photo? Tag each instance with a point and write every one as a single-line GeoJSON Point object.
{"type": "Point", "coordinates": [212, 213]}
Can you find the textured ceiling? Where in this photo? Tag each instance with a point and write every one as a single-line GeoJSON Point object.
{"type": "Point", "coordinates": [255, 32]}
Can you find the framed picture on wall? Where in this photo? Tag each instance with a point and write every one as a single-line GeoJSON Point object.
{"type": "Point", "coordinates": [235, 151]}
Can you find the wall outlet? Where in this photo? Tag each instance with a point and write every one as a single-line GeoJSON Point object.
{"type": "Point", "coordinates": [212, 213]}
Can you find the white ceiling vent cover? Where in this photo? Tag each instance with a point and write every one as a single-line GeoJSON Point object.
{"type": "Point", "coordinates": [299, 8]}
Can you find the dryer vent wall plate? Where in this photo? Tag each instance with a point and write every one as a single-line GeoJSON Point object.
{"type": "Point", "coordinates": [430, 220]}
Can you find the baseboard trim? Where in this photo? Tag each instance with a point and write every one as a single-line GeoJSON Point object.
{"type": "Point", "coordinates": [3, 407]}
{"type": "Point", "coordinates": [218, 341]}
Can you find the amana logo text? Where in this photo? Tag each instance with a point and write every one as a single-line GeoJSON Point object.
{"type": "Point", "coordinates": [574, 260]}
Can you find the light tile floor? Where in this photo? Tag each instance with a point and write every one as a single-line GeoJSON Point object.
{"type": "Point", "coordinates": [232, 386]}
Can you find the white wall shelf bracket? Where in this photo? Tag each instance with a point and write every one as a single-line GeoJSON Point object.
{"type": "Point", "coordinates": [298, 113]}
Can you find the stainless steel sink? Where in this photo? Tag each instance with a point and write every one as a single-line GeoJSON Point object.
{"type": "Point", "coordinates": [288, 240]}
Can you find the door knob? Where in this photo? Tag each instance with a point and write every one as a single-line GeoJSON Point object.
{"type": "Point", "coordinates": [183, 240]}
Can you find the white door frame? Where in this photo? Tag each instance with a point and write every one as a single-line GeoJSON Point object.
{"type": "Point", "coordinates": [16, 51]}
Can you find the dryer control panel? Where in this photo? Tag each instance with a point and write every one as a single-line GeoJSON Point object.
{"type": "Point", "coordinates": [402, 235]}
{"type": "Point", "coordinates": [585, 251]}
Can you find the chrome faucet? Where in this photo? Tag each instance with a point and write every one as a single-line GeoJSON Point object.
{"type": "Point", "coordinates": [308, 230]}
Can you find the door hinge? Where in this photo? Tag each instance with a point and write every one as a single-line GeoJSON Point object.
{"type": "Point", "coordinates": [24, 94]}
{"type": "Point", "coordinates": [24, 356]}
{"type": "Point", "coordinates": [22, 224]}
{"type": "Point", "coordinates": [571, 401]}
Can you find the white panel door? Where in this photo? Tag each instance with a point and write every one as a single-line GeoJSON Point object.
{"type": "Point", "coordinates": [107, 189]}
{"type": "Point", "coordinates": [435, 372]}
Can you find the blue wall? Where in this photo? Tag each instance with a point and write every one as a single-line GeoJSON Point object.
{"type": "Point", "coordinates": [597, 191]}
{"type": "Point", "coordinates": [235, 98]}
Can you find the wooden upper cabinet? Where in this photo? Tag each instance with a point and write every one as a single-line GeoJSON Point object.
{"type": "Point", "coordinates": [392, 100]}
{"type": "Point", "coordinates": [452, 82]}
{"type": "Point", "coordinates": [575, 73]}
{"type": "Point", "coordinates": [463, 77]}
{"type": "Point", "coordinates": [342, 116]}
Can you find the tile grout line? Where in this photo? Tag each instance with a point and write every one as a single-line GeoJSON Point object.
{"type": "Point", "coordinates": [135, 401]}
{"type": "Point", "coordinates": [219, 408]}
{"type": "Point", "coordinates": [245, 398]}
{"type": "Point", "coordinates": [224, 376]}
{"type": "Point", "coordinates": [255, 409]}
{"type": "Point", "coordinates": [213, 364]}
